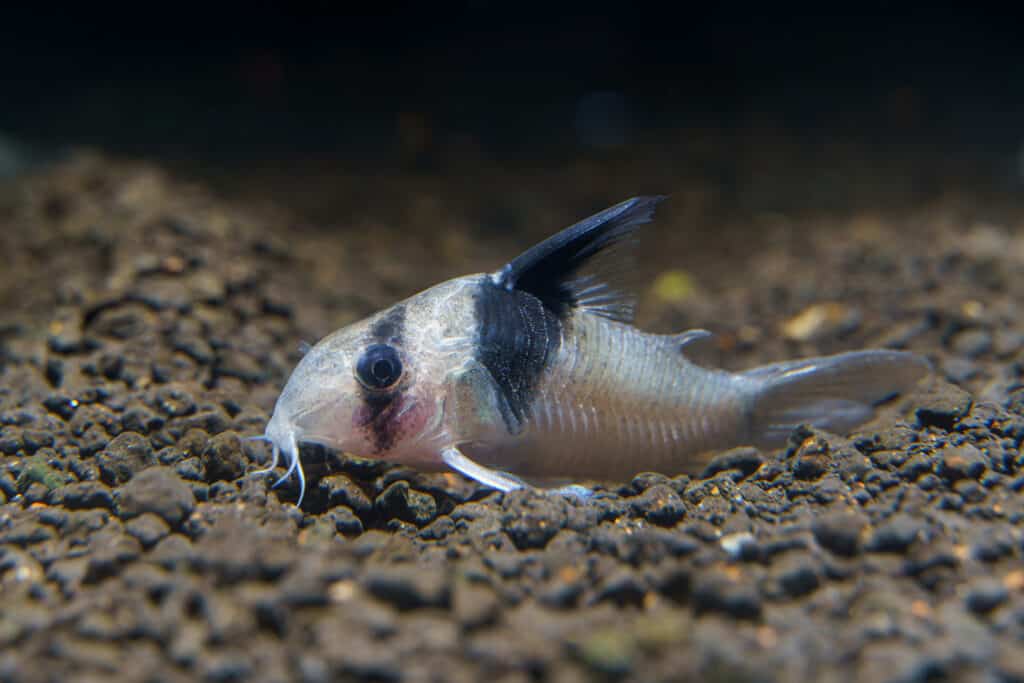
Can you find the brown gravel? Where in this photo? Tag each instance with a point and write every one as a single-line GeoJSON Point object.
{"type": "Point", "coordinates": [148, 326]}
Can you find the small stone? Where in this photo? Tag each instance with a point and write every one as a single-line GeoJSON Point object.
{"type": "Point", "coordinates": [36, 493]}
{"type": "Point", "coordinates": [112, 551]}
{"type": "Point", "coordinates": [474, 605]}
{"type": "Point", "coordinates": [88, 494]}
{"type": "Point", "coordinates": [68, 573]}
{"type": "Point", "coordinates": [10, 441]}
{"type": "Point", "coordinates": [623, 587]}
{"type": "Point", "coordinates": [970, 491]}
{"type": "Point", "coordinates": [985, 595]}
{"type": "Point", "coordinates": [67, 335]}
{"type": "Point", "coordinates": [440, 528]}
{"type": "Point", "coordinates": [796, 573]}
{"type": "Point", "coordinates": [811, 459]}
{"type": "Point", "coordinates": [991, 480]}
{"type": "Point", "coordinates": [173, 552]}
{"type": "Point", "coordinates": [26, 532]}
{"type": "Point", "coordinates": [965, 461]}
{"type": "Point", "coordinates": [407, 587]}
{"type": "Point", "coordinates": [36, 470]}
{"type": "Point", "coordinates": [148, 528]}
{"type": "Point", "coordinates": [944, 409]}
{"type": "Point", "coordinates": [173, 401]}
{"type": "Point", "coordinates": [211, 420]}
{"type": "Point", "coordinates": [61, 405]}
{"type": "Point", "coordinates": [741, 546]}
{"type": "Point", "coordinates": [1007, 342]}
{"type": "Point", "coordinates": [398, 501]}
{"type": "Point", "coordinates": [660, 505]}
{"type": "Point", "coordinates": [56, 517]}
{"type": "Point", "coordinates": [340, 490]}
{"type": "Point", "coordinates": [142, 421]}
{"type": "Point", "coordinates": [747, 460]}
{"type": "Point", "coordinates": [716, 592]}
{"type": "Point", "coordinates": [609, 651]}
{"type": "Point", "coordinates": [531, 519]}
{"type": "Point", "coordinates": [992, 547]}
{"type": "Point", "coordinates": [223, 666]}
{"type": "Point", "coordinates": [896, 534]}
{"type": "Point", "coordinates": [223, 458]}
{"type": "Point", "coordinates": [506, 565]}
{"type": "Point", "coordinates": [914, 467]}
{"type": "Point", "coordinates": [840, 531]}
{"type": "Point", "coordinates": [33, 440]}
{"type": "Point", "coordinates": [645, 480]}
{"type": "Point", "coordinates": [561, 593]}
{"type": "Point", "coordinates": [821, 320]}
{"type": "Point", "coordinates": [159, 491]}
{"type": "Point", "coordinates": [345, 521]}
{"type": "Point", "coordinates": [10, 488]}
{"type": "Point", "coordinates": [960, 370]}
{"type": "Point", "coordinates": [972, 343]}
{"type": "Point", "coordinates": [126, 454]}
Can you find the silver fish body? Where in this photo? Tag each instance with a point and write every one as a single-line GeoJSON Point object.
{"type": "Point", "coordinates": [535, 373]}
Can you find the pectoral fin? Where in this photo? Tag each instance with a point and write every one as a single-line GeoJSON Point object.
{"type": "Point", "coordinates": [502, 481]}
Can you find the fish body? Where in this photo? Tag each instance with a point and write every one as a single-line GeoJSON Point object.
{"type": "Point", "coordinates": [535, 373]}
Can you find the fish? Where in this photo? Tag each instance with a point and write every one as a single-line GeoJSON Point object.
{"type": "Point", "coordinates": [535, 375]}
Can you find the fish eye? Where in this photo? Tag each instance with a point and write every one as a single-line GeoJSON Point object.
{"type": "Point", "coordinates": [379, 367]}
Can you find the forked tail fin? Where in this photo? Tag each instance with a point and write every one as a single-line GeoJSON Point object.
{"type": "Point", "coordinates": [836, 393]}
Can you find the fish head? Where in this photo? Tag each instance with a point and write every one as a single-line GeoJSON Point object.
{"type": "Point", "coordinates": [375, 388]}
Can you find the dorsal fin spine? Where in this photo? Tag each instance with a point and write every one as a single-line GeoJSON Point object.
{"type": "Point", "coordinates": [549, 270]}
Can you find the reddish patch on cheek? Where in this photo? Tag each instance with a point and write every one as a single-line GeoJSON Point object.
{"type": "Point", "coordinates": [387, 419]}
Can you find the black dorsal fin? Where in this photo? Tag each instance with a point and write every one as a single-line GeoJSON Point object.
{"type": "Point", "coordinates": [550, 270]}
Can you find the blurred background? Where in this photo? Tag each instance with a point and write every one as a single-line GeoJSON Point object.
{"type": "Point", "coordinates": [490, 105]}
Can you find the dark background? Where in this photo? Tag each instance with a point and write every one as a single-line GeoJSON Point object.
{"type": "Point", "coordinates": [223, 89]}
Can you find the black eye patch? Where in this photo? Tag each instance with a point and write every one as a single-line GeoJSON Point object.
{"type": "Point", "coordinates": [379, 367]}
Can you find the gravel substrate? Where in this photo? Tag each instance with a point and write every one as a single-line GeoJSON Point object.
{"type": "Point", "coordinates": [150, 326]}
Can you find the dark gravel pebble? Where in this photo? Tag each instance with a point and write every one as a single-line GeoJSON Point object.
{"type": "Point", "coordinates": [339, 489]}
{"type": "Point", "coordinates": [159, 491]}
{"type": "Point", "coordinates": [945, 409]}
{"type": "Point", "coordinates": [88, 494]}
{"type": "Point", "coordinates": [660, 505]}
{"type": "Point", "coordinates": [624, 587]}
{"type": "Point", "coordinates": [746, 460]}
{"type": "Point", "coordinates": [345, 521]}
{"type": "Point", "coordinates": [408, 587]}
{"type": "Point", "coordinates": [474, 606]}
{"type": "Point", "coordinates": [895, 534]}
{"type": "Point", "coordinates": [222, 458]}
{"type": "Point", "coordinates": [960, 462]}
{"type": "Point", "coordinates": [985, 595]}
{"type": "Point", "coordinates": [720, 593]}
{"type": "Point", "coordinates": [539, 519]}
{"type": "Point", "coordinates": [840, 531]}
{"type": "Point", "coordinates": [123, 456]}
{"type": "Point", "coordinates": [972, 343]}
{"type": "Point", "coordinates": [401, 502]}
{"type": "Point", "coordinates": [148, 528]}
{"type": "Point", "coordinates": [796, 573]}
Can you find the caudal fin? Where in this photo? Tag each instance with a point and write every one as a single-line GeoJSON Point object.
{"type": "Point", "coordinates": [836, 393]}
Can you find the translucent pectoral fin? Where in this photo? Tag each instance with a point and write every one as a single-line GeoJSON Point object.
{"type": "Point", "coordinates": [502, 481]}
